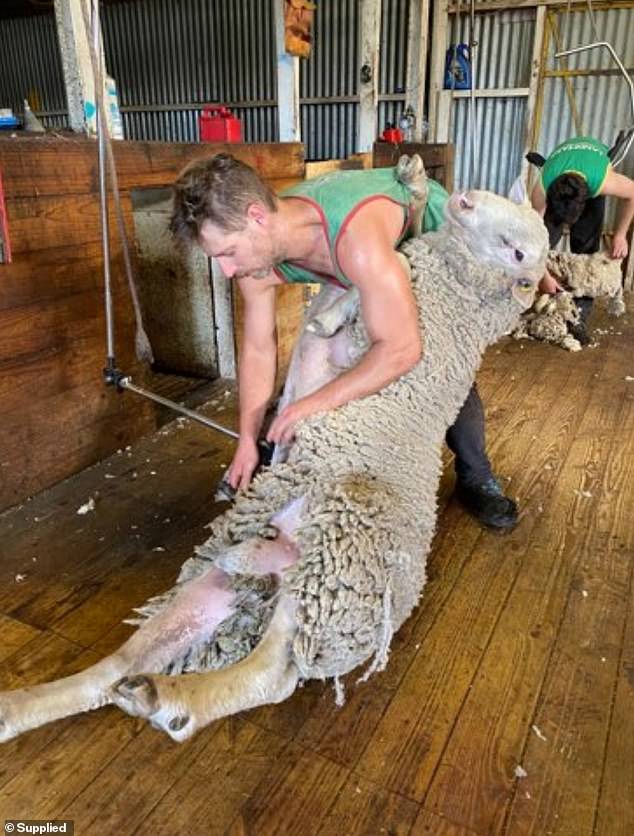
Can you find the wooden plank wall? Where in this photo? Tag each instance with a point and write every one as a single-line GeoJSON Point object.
{"type": "Point", "coordinates": [57, 416]}
{"type": "Point", "coordinates": [437, 157]}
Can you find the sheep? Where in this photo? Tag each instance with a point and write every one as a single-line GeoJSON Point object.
{"type": "Point", "coordinates": [593, 275]}
{"type": "Point", "coordinates": [315, 566]}
{"type": "Point", "coordinates": [551, 317]}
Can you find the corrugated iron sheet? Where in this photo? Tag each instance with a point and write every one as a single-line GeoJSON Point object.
{"type": "Point", "coordinates": [502, 60]}
{"type": "Point", "coordinates": [603, 102]}
{"type": "Point", "coordinates": [31, 68]}
{"type": "Point", "coordinates": [169, 59]}
{"type": "Point", "coordinates": [504, 44]}
{"type": "Point", "coordinates": [500, 125]}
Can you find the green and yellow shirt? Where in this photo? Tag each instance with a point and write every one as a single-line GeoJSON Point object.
{"type": "Point", "coordinates": [580, 155]}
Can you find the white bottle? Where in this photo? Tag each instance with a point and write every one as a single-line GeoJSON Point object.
{"type": "Point", "coordinates": [31, 122]}
{"type": "Point", "coordinates": [112, 109]}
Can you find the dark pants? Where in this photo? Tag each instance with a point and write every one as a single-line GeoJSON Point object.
{"type": "Point", "coordinates": [466, 441]}
{"type": "Point", "coordinates": [585, 238]}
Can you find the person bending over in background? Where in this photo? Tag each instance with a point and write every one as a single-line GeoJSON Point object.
{"type": "Point", "coordinates": [575, 180]}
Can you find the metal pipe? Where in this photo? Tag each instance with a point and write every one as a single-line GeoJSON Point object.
{"type": "Point", "coordinates": [103, 188]}
{"type": "Point", "coordinates": [612, 52]}
{"type": "Point", "coordinates": [126, 383]}
{"type": "Point", "coordinates": [111, 373]}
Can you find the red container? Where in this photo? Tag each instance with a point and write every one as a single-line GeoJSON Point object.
{"type": "Point", "coordinates": [217, 124]}
{"type": "Point", "coordinates": [393, 135]}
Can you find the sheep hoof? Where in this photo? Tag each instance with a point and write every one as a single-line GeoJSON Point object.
{"type": "Point", "coordinates": [136, 695]}
{"type": "Point", "coordinates": [323, 326]}
{"type": "Point", "coordinates": [155, 698]}
{"type": "Point", "coordinates": [178, 723]}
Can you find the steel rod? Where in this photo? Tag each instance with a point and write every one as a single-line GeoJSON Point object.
{"type": "Point", "coordinates": [103, 187]}
{"type": "Point", "coordinates": [126, 383]}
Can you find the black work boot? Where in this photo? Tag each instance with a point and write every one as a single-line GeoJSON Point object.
{"type": "Point", "coordinates": [487, 503]}
{"type": "Point", "coordinates": [580, 332]}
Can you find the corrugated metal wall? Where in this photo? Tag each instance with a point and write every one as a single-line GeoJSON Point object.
{"type": "Point", "coordinates": [170, 58]}
{"type": "Point", "coordinates": [393, 61]}
{"type": "Point", "coordinates": [503, 60]}
{"type": "Point", "coordinates": [30, 67]}
{"type": "Point", "coordinates": [603, 102]}
{"type": "Point", "coordinates": [328, 82]}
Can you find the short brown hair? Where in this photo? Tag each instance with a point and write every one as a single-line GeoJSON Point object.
{"type": "Point", "coordinates": [219, 190]}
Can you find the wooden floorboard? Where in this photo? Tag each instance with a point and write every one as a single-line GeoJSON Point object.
{"type": "Point", "coordinates": [520, 656]}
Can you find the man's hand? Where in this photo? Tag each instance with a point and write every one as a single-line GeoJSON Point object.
{"type": "Point", "coordinates": [619, 246]}
{"type": "Point", "coordinates": [549, 284]}
{"type": "Point", "coordinates": [244, 463]}
{"type": "Point", "coordinates": [282, 429]}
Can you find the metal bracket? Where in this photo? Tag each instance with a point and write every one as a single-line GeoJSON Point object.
{"type": "Point", "coordinates": [622, 153]}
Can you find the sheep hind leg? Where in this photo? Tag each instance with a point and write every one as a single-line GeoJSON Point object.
{"type": "Point", "coordinates": [196, 611]}
{"type": "Point", "coordinates": [180, 705]}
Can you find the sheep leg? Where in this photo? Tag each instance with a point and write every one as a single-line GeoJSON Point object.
{"type": "Point", "coordinates": [195, 613]}
{"type": "Point", "coordinates": [180, 705]}
{"type": "Point", "coordinates": [344, 309]}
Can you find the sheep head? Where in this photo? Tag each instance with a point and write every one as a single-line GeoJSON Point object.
{"type": "Point", "coordinates": [501, 234]}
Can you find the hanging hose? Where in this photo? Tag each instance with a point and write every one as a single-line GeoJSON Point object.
{"type": "Point", "coordinates": [473, 122]}
{"type": "Point", "coordinates": [143, 347]}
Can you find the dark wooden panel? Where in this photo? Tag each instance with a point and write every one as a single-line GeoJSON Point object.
{"type": "Point", "coordinates": [39, 166]}
{"type": "Point", "coordinates": [57, 415]}
{"type": "Point", "coordinates": [40, 223]}
{"type": "Point", "coordinates": [437, 157]}
{"type": "Point", "coordinates": [54, 273]}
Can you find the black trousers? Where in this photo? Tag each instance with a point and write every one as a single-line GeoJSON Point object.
{"type": "Point", "coordinates": [585, 237]}
{"type": "Point", "coordinates": [466, 440]}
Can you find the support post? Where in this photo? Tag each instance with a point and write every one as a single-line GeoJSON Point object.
{"type": "Point", "coordinates": [534, 85]}
{"type": "Point", "coordinates": [288, 115]}
{"type": "Point", "coordinates": [75, 52]}
{"type": "Point", "coordinates": [369, 74]}
{"type": "Point", "coordinates": [439, 48]}
{"type": "Point", "coordinates": [418, 32]}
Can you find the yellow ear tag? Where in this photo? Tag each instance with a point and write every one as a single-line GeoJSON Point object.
{"type": "Point", "coordinates": [523, 291]}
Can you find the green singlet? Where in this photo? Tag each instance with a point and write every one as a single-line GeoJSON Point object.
{"type": "Point", "coordinates": [337, 196]}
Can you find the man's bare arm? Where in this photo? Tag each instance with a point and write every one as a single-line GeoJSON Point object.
{"type": "Point", "coordinates": [390, 315]}
{"type": "Point", "coordinates": [256, 377]}
{"type": "Point", "coordinates": [617, 185]}
{"type": "Point", "coordinates": [538, 199]}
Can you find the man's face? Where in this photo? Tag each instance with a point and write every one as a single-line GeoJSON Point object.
{"type": "Point", "coordinates": [245, 252]}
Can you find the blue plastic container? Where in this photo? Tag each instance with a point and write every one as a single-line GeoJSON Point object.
{"type": "Point", "coordinates": [458, 68]}
{"type": "Point", "coordinates": [7, 121]}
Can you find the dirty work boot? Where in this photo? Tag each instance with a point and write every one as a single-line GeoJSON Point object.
{"type": "Point", "coordinates": [487, 503]}
{"type": "Point", "coordinates": [580, 332]}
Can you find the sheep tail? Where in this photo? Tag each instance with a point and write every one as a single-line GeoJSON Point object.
{"type": "Point", "coordinates": [410, 171]}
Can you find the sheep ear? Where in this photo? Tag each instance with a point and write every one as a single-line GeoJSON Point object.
{"type": "Point", "coordinates": [517, 192]}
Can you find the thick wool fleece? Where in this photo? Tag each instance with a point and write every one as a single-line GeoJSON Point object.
{"type": "Point", "coordinates": [590, 275]}
{"type": "Point", "coordinates": [548, 321]}
{"type": "Point", "coordinates": [594, 275]}
{"type": "Point", "coordinates": [369, 473]}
